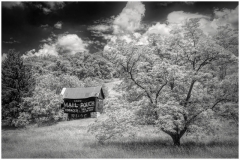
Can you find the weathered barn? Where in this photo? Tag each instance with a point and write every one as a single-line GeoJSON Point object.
{"type": "Point", "coordinates": [83, 102]}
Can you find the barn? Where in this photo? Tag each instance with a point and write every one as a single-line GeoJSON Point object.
{"type": "Point", "coordinates": [82, 102]}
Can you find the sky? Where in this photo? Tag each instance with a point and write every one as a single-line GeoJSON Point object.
{"type": "Point", "coordinates": [42, 28]}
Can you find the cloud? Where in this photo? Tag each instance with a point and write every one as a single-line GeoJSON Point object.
{"type": "Point", "coordinates": [12, 4]}
{"type": "Point", "coordinates": [64, 44]}
{"type": "Point", "coordinates": [44, 26]}
{"type": "Point", "coordinates": [58, 25]}
{"type": "Point", "coordinates": [159, 28]}
{"type": "Point", "coordinates": [100, 28]}
{"type": "Point", "coordinates": [48, 40]}
{"type": "Point", "coordinates": [137, 35]}
{"type": "Point", "coordinates": [49, 6]}
{"type": "Point", "coordinates": [71, 43]}
{"type": "Point", "coordinates": [126, 38]}
{"type": "Point", "coordinates": [189, 2]}
{"type": "Point", "coordinates": [207, 26]}
{"type": "Point", "coordinates": [105, 20]}
{"type": "Point", "coordinates": [4, 56]}
{"type": "Point", "coordinates": [143, 40]}
{"type": "Point", "coordinates": [163, 4]}
{"type": "Point", "coordinates": [45, 50]}
{"type": "Point", "coordinates": [46, 10]}
{"type": "Point", "coordinates": [11, 42]}
{"type": "Point", "coordinates": [55, 5]}
{"type": "Point", "coordinates": [227, 16]}
{"type": "Point", "coordinates": [129, 19]}
{"type": "Point", "coordinates": [221, 17]}
{"type": "Point", "coordinates": [180, 16]}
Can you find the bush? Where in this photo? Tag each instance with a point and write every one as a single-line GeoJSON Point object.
{"type": "Point", "coordinates": [117, 121]}
{"type": "Point", "coordinates": [23, 119]}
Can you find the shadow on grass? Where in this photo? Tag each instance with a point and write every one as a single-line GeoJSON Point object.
{"type": "Point", "coordinates": [6, 128]}
{"type": "Point", "coordinates": [33, 124]}
{"type": "Point", "coordinates": [158, 144]}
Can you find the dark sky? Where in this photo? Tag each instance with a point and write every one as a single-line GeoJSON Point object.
{"type": "Point", "coordinates": [26, 25]}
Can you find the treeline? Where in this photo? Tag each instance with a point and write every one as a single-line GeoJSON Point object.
{"type": "Point", "coordinates": [31, 86]}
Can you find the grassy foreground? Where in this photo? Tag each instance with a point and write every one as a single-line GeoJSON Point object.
{"type": "Point", "coordinates": [70, 139]}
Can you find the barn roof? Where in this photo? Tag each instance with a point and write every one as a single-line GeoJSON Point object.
{"type": "Point", "coordinates": [81, 93]}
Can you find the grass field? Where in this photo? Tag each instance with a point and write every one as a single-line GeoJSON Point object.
{"type": "Point", "coordinates": [70, 139]}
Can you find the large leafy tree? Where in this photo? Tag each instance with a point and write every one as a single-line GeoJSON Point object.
{"type": "Point", "coordinates": [175, 80]}
{"type": "Point", "coordinates": [17, 82]}
{"type": "Point", "coordinates": [200, 91]}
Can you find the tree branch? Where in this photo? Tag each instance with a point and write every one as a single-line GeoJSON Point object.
{"type": "Point", "coordinates": [160, 91]}
{"type": "Point", "coordinates": [131, 76]}
{"type": "Point", "coordinates": [193, 117]}
{"type": "Point", "coordinates": [189, 92]}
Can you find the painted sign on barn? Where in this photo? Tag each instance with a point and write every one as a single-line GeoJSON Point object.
{"type": "Point", "coordinates": [79, 105]}
{"type": "Point", "coordinates": [81, 102]}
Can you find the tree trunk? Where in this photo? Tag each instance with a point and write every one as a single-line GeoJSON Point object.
{"type": "Point", "coordinates": [176, 136]}
{"type": "Point", "coordinates": [176, 139]}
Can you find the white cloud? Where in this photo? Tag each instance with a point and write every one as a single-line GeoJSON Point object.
{"type": "Point", "coordinates": [159, 28]}
{"type": "Point", "coordinates": [4, 56]}
{"type": "Point", "coordinates": [49, 6]}
{"type": "Point", "coordinates": [126, 38]}
{"type": "Point", "coordinates": [12, 4]}
{"type": "Point", "coordinates": [221, 17]}
{"type": "Point", "coordinates": [189, 3]}
{"type": "Point", "coordinates": [46, 49]}
{"type": "Point", "coordinates": [55, 5]}
{"type": "Point", "coordinates": [137, 35]}
{"type": "Point", "coordinates": [207, 26]}
{"type": "Point", "coordinates": [58, 25]}
{"type": "Point", "coordinates": [66, 44]}
{"type": "Point", "coordinates": [100, 28]}
{"type": "Point", "coordinates": [49, 40]}
{"type": "Point", "coordinates": [46, 10]}
{"type": "Point", "coordinates": [129, 19]}
{"type": "Point", "coordinates": [227, 16]}
{"type": "Point", "coordinates": [180, 16]}
{"type": "Point", "coordinates": [71, 43]}
{"type": "Point", "coordinates": [143, 40]}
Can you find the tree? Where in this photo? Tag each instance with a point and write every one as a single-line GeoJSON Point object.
{"type": "Point", "coordinates": [174, 80]}
{"type": "Point", "coordinates": [17, 82]}
{"type": "Point", "coordinates": [199, 58]}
